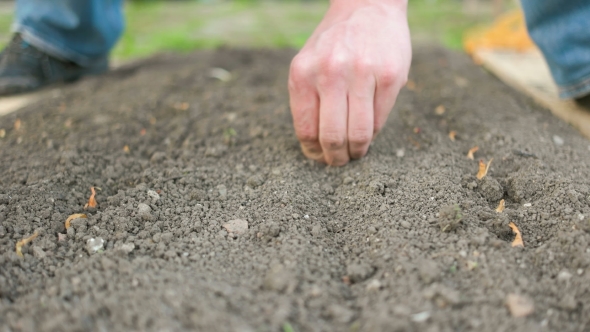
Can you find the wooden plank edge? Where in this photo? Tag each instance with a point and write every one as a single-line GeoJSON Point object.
{"type": "Point", "coordinates": [566, 110]}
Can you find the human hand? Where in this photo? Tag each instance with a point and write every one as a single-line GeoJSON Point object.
{"type": "Point", "coordinates": [345, 80]}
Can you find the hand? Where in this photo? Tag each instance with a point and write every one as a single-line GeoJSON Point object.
{"type": "Point", "coordinates": [345, 80]}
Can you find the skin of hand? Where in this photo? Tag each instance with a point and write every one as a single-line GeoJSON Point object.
{"type": "Point", "coordinates": [345, 80]}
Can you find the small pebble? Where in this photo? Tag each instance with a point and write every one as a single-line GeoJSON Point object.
{"type": "Point", "coordinates": [222, 189]}
{"type": "Point", "coordinates": [527, 204]}
{"type": "Point", "coordinates": [306, 216]}
{"type": "Point", "coordinates": [400, 153]}
{"type": "Point", "coordinates": [237, 226]}
{"type": "Point", "coordinates": [270, 228]}
{"type": "Point", "coordinates": [421, 316]}
{"type": "Point", "coordinates": [127, 248]}
{"type": "Point", "coordinates": [144, 211]}
{"type": "Point", "coordinates": [558, 140]}
{"type": "Point", "coordinates": [166, 237]}
{"type": "Point", "coordinates": [316, 230]}
{"type": "Point", "coordinates": [93, 245]}
{"type": "Point", "coordinates": [405, 224]}
{"type": "Point", "coordinates": [564, 275]}
{"type": "Point", "coordinates": [374, 285]}
{"type": "Point", "coordinates": [519, 306]}
{"type": "Point", "coordinates": [153, 195]}
{"type": "Point", "coordinates": [255, 181]}
{"type": "Point", "coordinates": [38, 252]}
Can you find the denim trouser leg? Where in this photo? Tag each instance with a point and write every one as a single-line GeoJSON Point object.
{"type": "Point", "coordinates": [561, 29]}
{"type": "Point", "coordinates": [82, 31]}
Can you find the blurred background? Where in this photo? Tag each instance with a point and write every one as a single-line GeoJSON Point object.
{"type": "Point", "coordinates": [184, 25]}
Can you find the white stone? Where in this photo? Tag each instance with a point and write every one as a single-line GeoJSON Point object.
{"type": "Point", "coordinates": [519, 306]}
{"type": "Point", "coordinates": [236, 226]}
{"type": "Point", "coordinates": [374, 285]}
{"type": "Point", "coordinates": [127, 247]}
{"type": "Point", "coordinates": [153, 195]}
{"type": "Point", "coordinates": [220, 74]}
{"type": "Point", "coordinates": [564, 275]}
{"type": "Point", "coordinates": [558, 140]}
{"type": "Point", "coordinates": [93, 245]}
{"type": "Point", "coordinates": [421, 316]}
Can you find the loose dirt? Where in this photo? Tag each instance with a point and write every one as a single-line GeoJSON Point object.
{"type": "Point", "coordinates": [406, 239]}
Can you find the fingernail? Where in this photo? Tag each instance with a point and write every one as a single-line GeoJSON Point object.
{"type": "Point", "coordinates": [311, 153]}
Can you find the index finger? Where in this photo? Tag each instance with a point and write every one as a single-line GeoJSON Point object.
{"type": "Point", "coordinates": [304, 102]}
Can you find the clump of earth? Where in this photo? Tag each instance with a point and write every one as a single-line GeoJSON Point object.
{"type": "Point", "coordinates": [209, 218]}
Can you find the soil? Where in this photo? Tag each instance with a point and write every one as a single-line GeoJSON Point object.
{"type": "Point", "coordinates": [406, 239]}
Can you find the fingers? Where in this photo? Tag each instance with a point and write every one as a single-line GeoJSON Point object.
{"type": "Point", "coordinates": [388, 85]}
{"type": "Point", "coordinates": [361, 117]}
{"type": "Point", "coordinates": [336, 112]}
{"type": "Point", "coordinates": [333, 126]}
{"type": "Point", "coordinates": [304, 102]}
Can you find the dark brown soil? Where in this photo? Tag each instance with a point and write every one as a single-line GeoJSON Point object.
{"type": "Point", "coordinates": [356, 248]}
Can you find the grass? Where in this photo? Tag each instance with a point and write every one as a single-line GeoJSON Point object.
{"type": "Point", "coordinates": [189, 25]}
{"type": "Point", "coordinates": [180, 26]}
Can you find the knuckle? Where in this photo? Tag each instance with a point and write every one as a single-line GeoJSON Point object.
{"type": "Point", "coordinates": [332, 140]}
{"type": "Point", "coordinates": [332, 67]}
{"type": "Point", "coordinates": [335, 63]}
{"type": "Point", "coordinates": [301, 68]}
{"type": "Point", "coordinates": [306, 132]}
{"type": "Point", "coordinates": [388, 76]}
{"type": "Point", "coordinates": [360, 136]}
{"type": "Point", "coordinates": [363, 67]}
{"type": "Point", "coordinates": [307, 135]}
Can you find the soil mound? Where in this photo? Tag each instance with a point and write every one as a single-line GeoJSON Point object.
{"type": "Point", "coordinates": [210, 219]}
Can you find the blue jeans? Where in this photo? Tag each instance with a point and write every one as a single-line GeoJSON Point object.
{"type": "Point", "coordinates": [561, 29]}
{"type": "Point", "coordinates": [81, 31]}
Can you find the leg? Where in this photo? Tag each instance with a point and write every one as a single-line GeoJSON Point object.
{"type": "Point", "coordinates": [59, 40]}
{"type": "Point", "coordinates": [561, 29]}
{"type": "Point", "coordinates": [74, 30]}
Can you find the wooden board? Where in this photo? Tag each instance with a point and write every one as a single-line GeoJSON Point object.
{"type": "Point", "coordinates": [11, 104]}
{"type": "Point", "coordinates": [528, 73]}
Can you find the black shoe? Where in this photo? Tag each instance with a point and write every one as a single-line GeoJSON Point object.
{"type": "Point", "coordinates": [584, 101]}
{"type": "Point", "coordinates": [24, 68]}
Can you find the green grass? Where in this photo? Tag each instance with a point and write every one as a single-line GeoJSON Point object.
{"type": "Point", "coordinates": [180, 26]}
{"type": "Point", "coordinates": [187, 25]}
{"type": "Point", "coordinates": [5, 22]}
